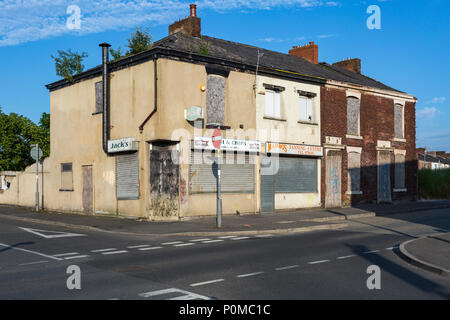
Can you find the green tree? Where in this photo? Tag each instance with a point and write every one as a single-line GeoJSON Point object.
{"type": "Point", "coordinates": [17, 135]}
{"type": "Point", "coordinates": [139, 41]}
{"type": "Point", "coordinates": [69, 64]}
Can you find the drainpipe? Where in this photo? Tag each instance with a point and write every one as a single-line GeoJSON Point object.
{"type": "Point", "coordinates": [106, 121]}
{"type": "Point", "coordinates": [155, 89]}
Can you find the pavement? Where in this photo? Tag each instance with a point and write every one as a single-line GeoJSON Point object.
{"type": "Point", "coordinates": [244, 224]}
{"type": "Point", "coordinates": [431, 253]}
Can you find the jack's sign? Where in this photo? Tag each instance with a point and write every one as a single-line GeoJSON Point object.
{"type": "Point", "coordinates": [122, 145]}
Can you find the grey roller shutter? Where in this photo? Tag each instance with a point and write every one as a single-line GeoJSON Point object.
{"type": "Point", "coordinates": [296, 175]}
{"type": "Point", "coordinates": [236, 177]}
{"type": "Point", "coordinates": [127, 176]}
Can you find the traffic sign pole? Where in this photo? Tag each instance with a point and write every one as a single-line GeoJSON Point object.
{"type": "Point", "coordinates": [217, 141]}
{"type": "Point", "coordinates": [37, 177]}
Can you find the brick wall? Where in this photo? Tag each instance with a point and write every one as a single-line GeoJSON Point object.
{"type": "Point", "coordinates": [376, 123]}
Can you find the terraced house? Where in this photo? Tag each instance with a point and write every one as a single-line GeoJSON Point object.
{"type": "Point", "coordinates": [133, 136]}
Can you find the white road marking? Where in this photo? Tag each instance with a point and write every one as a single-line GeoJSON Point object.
{"type": "Point", "coordinates": [240, 238]}
{"type": "Point", "coordinates": [249, 274]}
{"type": "Point", "coordinates": [345, 257]}
{"type": "Point", "coordinates": [373, 251]}
{"type": "Point", "coordinates": [36, 262]}
{"type": "Point", "coordinates": [211, 241]}
{"type": "Point", "coordinates": [263, 235]}
{"type": "Point", "coordinates": [53, 234]}
{"type": "Point", "coordinates": [187, 295]}
{"type": "Point", "coordinates": [140, 246]}
{"type": "Point", "coordinates": [184, 244]}
{"type": "Point", "coordinates": [115, 252]}
{"type": "Point", "coordinates": [173, 242]}
{"type": "Point", "coordinates": [150, 248]}
{"type": "Point", "coordinates": [76, 257]}
{"type": "Point", "coordinates": [206, 282]}
{"type": "Point", "coordinates": [30, 251]}
{"type": "Point", "coordinates": [287, 267]}
{"type": "Point", "coordinates": [227, 237]}
{"type": "Point", "coordinates": [103, 250]}
{"type": "Point", "coordinates": [392, 248]}
{"type": "Point", "coordinates": [65, 254]}
{"type": "Point", "coordinates": [197, 240]}
{"type": "Point", "coordinates": [320, 261]}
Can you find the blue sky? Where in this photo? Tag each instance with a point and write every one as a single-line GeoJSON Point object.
{"type": "Point", "coordinates": [410, 52]}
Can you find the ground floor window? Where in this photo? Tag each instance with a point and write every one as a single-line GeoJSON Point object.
{"type": "Point", "coordinates": [66, 177]}
{"type": "Point", "coordinates": [399, 171]}
{"type": "Point", "coordinates": [127, 176]}
{"type": "Point", "coordinates": [354, 171]}
{"type": "Point", "coordinates": [237, 172]}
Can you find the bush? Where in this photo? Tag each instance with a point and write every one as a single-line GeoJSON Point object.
{"type": "Point", "coordinates": [434, 184]}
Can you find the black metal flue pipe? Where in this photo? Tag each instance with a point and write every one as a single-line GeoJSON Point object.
{"type": "Point", "coordinates": [106, 122]}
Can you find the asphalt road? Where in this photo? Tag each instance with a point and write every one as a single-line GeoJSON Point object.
{"type": "Point", "coordinates": [316, 265]}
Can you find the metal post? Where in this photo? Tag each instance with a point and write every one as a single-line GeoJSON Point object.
{"type": "Point", "coordinates": [37, 177]}
{"type": "Point", "coordinates": [42, 184]}
{"type": "Point", "coordinates": [219, 200]}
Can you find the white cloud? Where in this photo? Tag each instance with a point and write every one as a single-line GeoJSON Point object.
{"type": "Point", "coordinates": [24, 21]}
{"type": "Point", "coordinates": [427, 113]}
{"type": "Point", "coordinates": [324, 36]}
{"type": "Point", "coordinates": [437, 100]}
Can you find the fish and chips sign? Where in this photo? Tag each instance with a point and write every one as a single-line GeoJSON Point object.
{"type": "Point", "coordinates": [206, 143]}
{"type": "Point", "coordinates": [294, 149]}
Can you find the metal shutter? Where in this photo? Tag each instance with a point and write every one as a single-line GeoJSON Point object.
{"type": "Point", "coordinates": [236, 177]}
{"type": "Point", "coordinates": [267, 185]}
{"type": "Point", "coordinates": [296, 175]}
{"type": "Point", "coordinates": [127, 176]}
{"type": "Point", "coordinates": [354, 177]}
{"type": "Point", "coordinates": [399, 171]}
{"type": "Point", "coordinates": [353, 110]}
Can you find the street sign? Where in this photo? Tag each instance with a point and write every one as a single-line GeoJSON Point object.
{"type": "Point", "coordinates": [217, 138]}
{"type": "Point", "coordinates": [33, 153]}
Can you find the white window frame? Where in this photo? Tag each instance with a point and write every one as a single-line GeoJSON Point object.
{"type": "Point", "coordinates": [276, 104]}
{"type": "Point", "coordinates": [303, 109]}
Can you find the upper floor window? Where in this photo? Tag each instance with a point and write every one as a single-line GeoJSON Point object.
{"type": "Point", "coordinates": [353, 116]}
{"type": "Point", "coordinates": [99, 97]}
{"type": "Point", "coordinates": [398, 121]}
{"type": "Point", "coordinates": [273, 101]}
{"type": "Point", "coordinates": [215, 99]}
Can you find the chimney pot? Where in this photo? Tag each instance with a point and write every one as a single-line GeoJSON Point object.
{"type": "Point", "coordinates": [193, 10]}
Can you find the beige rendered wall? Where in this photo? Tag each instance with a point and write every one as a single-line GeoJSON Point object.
{"type": "Point", "coordinates": [289, 130]}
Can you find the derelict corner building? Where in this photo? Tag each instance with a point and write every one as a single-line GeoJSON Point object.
{"type": "Point", "coordinates": [133, 136]}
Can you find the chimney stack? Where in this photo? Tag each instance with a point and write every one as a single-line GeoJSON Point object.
{"type": "Point", "coordinates": [349, 64]}
{"type": "Point", "coordinates": [190, 26]}
{"type": "Point", "coordinates": [309, 52]}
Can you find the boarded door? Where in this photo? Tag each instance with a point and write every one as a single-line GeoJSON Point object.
{"type": "Point", "coordinates": [333, 179]}
{"type": "Point", "coordinates": [267, 185]}
{"type": "Point", "coordinates": [384, 181]}
{"type": "Point", "coordinates": [164, 182]}
{"type": "Point", "coordinates": [88, 195]}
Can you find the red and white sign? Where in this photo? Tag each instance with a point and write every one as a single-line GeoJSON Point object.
{"type": "Point", "coordinates": [294, 149]}
{"type": "Point", "coordinates": [206, 143]}
{"type": "Point", "coordinates": [217, 138]}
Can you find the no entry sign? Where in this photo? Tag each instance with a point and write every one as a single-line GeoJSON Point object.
{"type": "Point", "coordinates": [217, 138]}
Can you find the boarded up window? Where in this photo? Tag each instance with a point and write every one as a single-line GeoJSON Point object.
{"type": "Point", "coordinates": [398, 121]}
{"type": "Point", "coordinates": [99, 97]}
{"type": "Point", "coordinates": [273, 100]}
{"type": "Point", "coordinates": [354, 171]}
{"type": "Point", "coordinates": [237, 173]}
{"type": "Point", "coordinates": [353, 105]}
{"type": "Point", "coordinates": [296, 175]}
{"type": "Point", "coordinates": [127, 176]}
{"type": "Point", "coordinates": [306, 112]}
{"type": "Point", "coordinates": [399, 171]}
{"type": "Point", "coordinates": [215, 99]}
{"type": "Point", "coordinates": [66, 177]}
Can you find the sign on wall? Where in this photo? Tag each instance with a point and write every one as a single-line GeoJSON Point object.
{"type": "Point", "coordinates": [206, 143]}
{"type": "Point", "coordinates": [294, 149]}
{"type": "Point", "coordinates": [122, 145]}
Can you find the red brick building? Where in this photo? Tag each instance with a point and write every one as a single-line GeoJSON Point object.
{"type": "Point", "coordinates": [368, 136]}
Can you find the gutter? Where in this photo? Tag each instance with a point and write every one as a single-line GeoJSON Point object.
{"type": "Point", "coordinates": [106, 121]}
{"type": "Point", "coordinates": [155, 89]}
